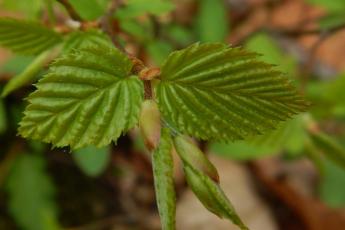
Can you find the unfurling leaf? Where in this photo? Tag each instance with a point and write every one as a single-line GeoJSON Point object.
{"type": "Point", "coordinates": [211, 195]}
{"type": "Point", "coordinates": [26, 37]}
{"type": "Point", "coordinates": [213, 91]}
{"type": "Point", "coordinates": [27, 76]}
{"type": "Point", "coordinates": [81, 39]}
{"type": "Point", "coordinates": [193, 157]}
{"type": "Point", "coordinates": [91, 160]}
{"type": "Point", "coordinates": [150, 124]}
{"type": "Point", "coordinates": [87, 98]}
{"type": "Point", "coordinates": [162, 163]}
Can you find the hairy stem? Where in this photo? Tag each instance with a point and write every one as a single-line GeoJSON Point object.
{"type": "Point", "coordinates": [70, 10]}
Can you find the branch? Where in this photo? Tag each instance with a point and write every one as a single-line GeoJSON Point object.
{"type": "Point", "coordinates": [106, 23]}
{"type": "Point", "coordinates": [70, 10]}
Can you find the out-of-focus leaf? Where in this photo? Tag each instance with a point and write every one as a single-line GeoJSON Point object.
{"type": "Point", "coordinates": [332, 20]}
{"type": "Point", "coordinates": [159, 50]}
{"type": "Point", "coordinates": [91, 160]}
{"type": "Point", "coordinates": [31, 194]}
{"type": "Point", "coordinates": [135, 8]}
{"type": "Point", "coordinates": [16, 64]}
{"type": "Point", "coordinates": [289, 136]}
{"type": "Point", "coordinates": [27, 37]}
{"type": "Point", "coordinates": [271, 53]}
{"type": "Point", "coordinates": [31, 10]}
{"type": "Point", "coordinates": [212, 21]}
{"type": "Point", "coordinates": [139, 30]}
{"type": "Point", "coordinates": [27, 76]}
{"type": "Point", "coordinates": [163, 171]}
{"type": "Point", "coordinates": [3, 119]}
{"type": "Point", "coordinates": [89, 9]}
{"type": "Point", "coordinates": [333, 5]}
{"type": "Point", "coordinates": [332, 185]}
{"type": "Point", "coordinates": [331, 148]}
{"type": "Point", "coordinates": [180, 34]}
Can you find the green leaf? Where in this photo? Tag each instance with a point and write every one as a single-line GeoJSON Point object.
{"type": "Point", "coordinates": [163, 172]}
{"type": "Point", "coordinates": [27, 76]}
{"type": "Point", "coordinates": [212, 21]}
{"type": "Point", "coordinates": [332, 6]}
{"type": "Point", "coordinates": [159, 50]}
{"type": "Point", "coordinates": [192, 156]}
{"type": "Point", "coordinates": [91, 160]}
{"type": "Point", "coordinates": [31, 194]}
{"type": "Point", "coordinates": [330, 147]}
{"type": "Point", "coordinates": [332, 185]}
{"type": "Point", "coordinates": [272, 53]}
{"type": "Point", "coordinates": [16, 64]}
{"type": "Point", "coordinates": [22, 7]}
{"type": "Point", "coordinates": [211, 196]}
{"type": "Point", "coordinates": [80, 39]}
{"type": "Point", "coordinates": [3, 118]}
{"type": "Point", "coordinates": [87, 98]}
{"type": "Point", "coordinates": [89, 10]}
{"type": "Point", "coordinates": [27, 38]}
{"type": "Point", "coordinates": [212, 91]}
{"type": "Point", "coordinates": [135, 8]}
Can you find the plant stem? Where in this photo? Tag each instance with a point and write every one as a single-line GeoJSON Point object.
{"type": "Point", "coordinates": [70, 10]}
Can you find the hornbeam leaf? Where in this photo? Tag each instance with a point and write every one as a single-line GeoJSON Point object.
{"type": "Point", "coordinates": [213, 91]}
{"type": "Point", "coordinates": [163, 171]}
{"type": "Point", "coordinates": [28, 38]}
{"type": "Point", "coordinates": [87, 98]}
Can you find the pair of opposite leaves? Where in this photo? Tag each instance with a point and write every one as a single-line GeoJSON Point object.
{"type": "Point", "coordinates": [210, 91]}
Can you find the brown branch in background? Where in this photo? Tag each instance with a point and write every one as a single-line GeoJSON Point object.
{"type": "Point", "coordinates": [70, 10]}
{"type": "Point", "coordinates": [107, 26]}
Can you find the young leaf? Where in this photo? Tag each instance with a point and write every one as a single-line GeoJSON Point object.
{"type": "Point", "coordinates": [91, 160]}
{"type": "Point", "coordinates": [31, 194]}
{"type": "Point", "coordinates": [87, 98]}
{"type": "Point", "coordinates": [80, 39]}
{"type": "Point", "coordinates": [27, 76]}
{"type": "Point", "coordinates": [212, 91]}
{"type": "Point", "coordinates": [212, 21]}
{"type": "Point", "coordinates": [211, 195]}
{"type": "Point", "coordinates": [162, 163]}
{"type": "Point", "coordinates": [192, 156]}
{"type": "Point", "coordinates": [89, 10]}
{"type": "Point", "coordinates": [28, 38]}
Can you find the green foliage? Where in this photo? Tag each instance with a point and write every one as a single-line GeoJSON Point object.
{"type": "Point", "coordinates": [31, 193]}
{"type": "Point", "coordinates": [16, 64]}
{"type": "Point", "coordinates": [271, 53]}
{"type": "Point", "coordinates": [212, 22]}
{"type": "Point", "coordinates": [92, 161]}
{"type": "Point", "coordinates": [27, 38]}
{"type": "Point", "coordinates": [87, 98]}
{"type": "Point", "coordinates": [159, 50]}
{"type": "Point", "coordinates": [163, 172]}
{"type": "Point", "coordinates": [29, 10]}
{"type": "Point", "coordinates": [27, 76]}
{"type": "Point", "coordinates": [290, 136]}
{"type": "Point", "coordinates": [211, 195]}
{"type": "Point", "coordinates": [79, 39]}
{"type": "Point", "coordinates": [135, 8]}
{"type": "Point", "coordinates": [332, 185]}
{"type": "Point", "coordinates": [3, 118]}
{"type": "Point", "coordinates": [333, 6]}
{"type": "Point", "coordinates": [212, 91]}
{"type": "Point", "coordinates": [332, 149]}
{"type": "Point", "coordinates": [90, 9]}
